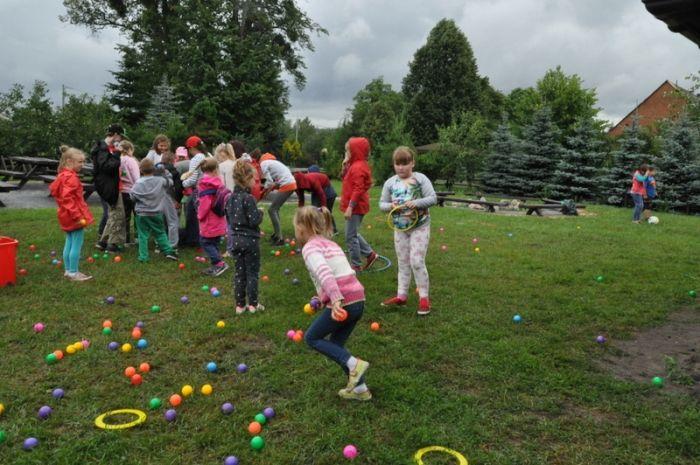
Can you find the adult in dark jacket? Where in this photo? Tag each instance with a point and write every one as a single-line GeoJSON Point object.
{"type": "Point", "coordinates": [106, 161]}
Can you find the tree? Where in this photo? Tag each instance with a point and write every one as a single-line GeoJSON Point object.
{"type": "Point", "coordinates": [628, 157]}
{"type": "Point", "coordinates": [291, 152]}
{"type": "Point", "coordinates": [82, 121]}
{"type": "Point", "coordinates": [163, 107]}
{"type": "Point", "coordinates": [678, 177]}
{"type": "Point", "coordinates": [381, 155]}
{"type": "Point", "coordinates": [462, 148]}
{"type": "Point", "coordinates": [503, 161]}
{"type": "Point", "coordinates": [30, 127]}
{"type": "Point", "coordinates": [575, 176]}
{"type": "Point", "coordinates": [442, 82]}
{"type": "Point", "coordinates": [377, 92]}
{"type": "Point", "coordinates": [541, 153]}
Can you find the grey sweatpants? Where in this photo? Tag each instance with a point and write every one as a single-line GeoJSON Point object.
{"type": "Point", "coordinates": [277, 199]}
{"type": "Point", "coordinates": [356, 244]}
{"type": "Point", "coordinates": [172, 221]}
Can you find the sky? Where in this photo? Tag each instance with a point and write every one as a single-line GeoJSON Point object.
{"type": "Point", "coordinates": [615, 46]}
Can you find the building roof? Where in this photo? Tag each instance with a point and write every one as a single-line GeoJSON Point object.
{"type": "Point", "coordinates": [681, 16]}
{"type": "Point", "coordinates": [635, 110]}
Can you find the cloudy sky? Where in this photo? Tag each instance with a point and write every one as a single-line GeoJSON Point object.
{"type": "Point", "coordinates": [615, 46]}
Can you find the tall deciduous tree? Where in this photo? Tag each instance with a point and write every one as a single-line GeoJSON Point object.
{"type": "Point", "coordinates": [542, 152]}
{"type": "Point", "coordinates": [628, 157]}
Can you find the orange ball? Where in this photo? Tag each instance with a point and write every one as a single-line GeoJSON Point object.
{"type": "Point", "coordinates": [58, 354]}
{"type": "Point", "coordinates": [374, 326]}
{"type": "Point", "coordinates": [175, 400]}
{"type": "Point", "coordinates": [254, 428]}
{"type": "Point", "coordinates": [144, 367]}
{"type": "Point", "coordinates": [298, 336]}
{"type": "Point", "coordinates": [181, 266]}
{"type": "Point", "coordinates": [136, 379]}
{"type": "Point", "coordinates": [106, 324]}
{"type": "Point", "coordinates": [129, 372]}
{"type": "Point", "coordinates": [278, 253]}
{"type": "Point", "coordinates": [136, 333]}
{"type": "Point", "coordinates": [292, 242]}
{"type": "Point", "coordinates": [117, 259]}
{"type": "Point", "coordinates": [343, 315]}
{"type": "Point", "coordinates": [265, 278]}
{"type": "Point", "coordinates": [292, 252]}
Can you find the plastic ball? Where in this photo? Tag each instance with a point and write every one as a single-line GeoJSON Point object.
{"type": "Point", "coordinates": [231, 460]}
{"type": "Point", "coordinates": [293, 243]}
{"type": "Point", "coordinates": [207, 389]}
{"type": "Point", "coordinates": [175, 400]}
{"type": "Point", "coordinates": [216, 293]}
{"type": "Point", "coordinates": [54, 261]}
{"type": "Point", "coordinates": [350, 452]}
{"type": "Point", "coordinates": [205, 288]}
{"type": "Point", "coordinates": [181, 266]}
{"type": "Point", "coordinates": [142, 344]}
{"type": "Point", "coordinates": [117, 259]}
{"type": "Point", "coordinates": [110, 300]}
{"type": "Point", "coordinates": [90, 260]}
{"type": "Point", "coordinates": [260, 418]}
{"type": "Point", "coordinates": [170, 415]}
{"type": "Point", "coordinates": [298, 250]}
{"type": "Point", "coordinates": [242, 368]}
{"type": "Point", "coordinates": [442, 229]}
{"type": "Point", "coordinates": [213, 290]}
{"type": "Point", "coordinates": [211, 367]}
{"type": "Point", "coordinates": [295, 281]}
{"type": "Point", "coordinates": [187, 390]}
{"type": "Point", "coordinates": [657, 381]}
{"type": "Point", "coordinates": [32, 247]}
{"type": "Point", "coordinates": [343, 315]}
{"type": "Point", "coordinates": [315, 302]}
{"type": "Point", "coordinates": [443, 247]}
{"type": "Point", "coordinates": [510, 234]}
{"type": "Point", "coordinates": [37, 256]}
{"type": "Point", "coordinates": [155, 403]}
{"type": "Point", "coordinates": [95, 255]}
{"type": "Point", "coordinates": [136, 333]}
{"type": "Point", "coordinates": [58, 354]}
{"type": "Point", "coordinates": [600, 339]}
{"type": "Point", "coordinates": [51, 359]}
{"type": "Point", "coordinates": [277, 253]}
{"type": "Point", "coordinates": [184, 299]}
{"type": "Point", "coordinates": [693, 294]}
{"type": "Point", "coordinates": [269, 412]}
{"type": "Point", "coordinates": [475, 240]}
{"type": "Point", "coordinates": [292, 252]}
{"type": "Point", "coordinates": [113, 345]}
{"type": "Point", "coordinates": [155, 308]}
{"type": "Point", "coordinates": [129, 372]}
{"type": "Point", "coordinates": [44, 412]}
{"type": "Point", "coordinates": [85, 343]}
{"type": "Point", "coordinates": [220, 324]}
{"type": "Point", "coordinates": [287, 271]}
{"type": "Point", "coordinates": [70, 350]}
{"type": "Point", "coordinates": [600, 278]}
{"type": "Point", "coordinates": [140, 324]}
{"type": "Point", "coordinates": [30, 443]}
{"type": "Point", "coordinates": [106, 331]}
{"type": "Point", "coordinates": [107, 324]}
{"type": "Point", "coordinates": [257, 443]}
{"type": "Point", "coordinates": [309, 310]}
{"type": "Point", "coordinates": [298, 336]}
{"type": "Point", "coordinates": [105, 256]}
{"type": "Point", "coordinates": [23, 271]}
{"type": "Point", "coordinates": [126, 347]}
{"type": "Point", "coordinates": [374, 326]}
{"type": "Point", "coordinates": [58, 393]}
{"type": "Point", "coordinates": [144, 367]}
{"type": "Point", "coordinates": [227, 408]}
{"type": "Point", "coordinates": [38, 327]}
{"type": "Point", "coordinates": [78, 346]}
{"type": "Point", "coordinates": [265, 278]}
{"type": "Point", "coordinates": [290, 334]}
{"type": "Point", "coordinates": [136, 379]}
{"type": "Point", "coordinates": [3, 436]}
{"type": "Point", "coordinates": [2, 409]}
{"type": "Point", "coordinates": [477, 250]}
{"type": "Point", "coordinates": [254, 428]}
{"type": "Point", "coordinates": [517, 319]}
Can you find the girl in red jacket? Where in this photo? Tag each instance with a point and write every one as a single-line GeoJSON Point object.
{"type": "Point", "coordinates": [354, 201]}
{"type": "Point", "coordinates": [73, 212]}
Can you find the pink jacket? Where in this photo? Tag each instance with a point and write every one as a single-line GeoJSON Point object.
{"type": "Point", "coordinates": [129, 172]}
{"type": "Point", "coordinates": [210, 224]}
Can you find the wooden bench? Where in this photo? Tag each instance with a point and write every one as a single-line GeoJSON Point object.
{"type": "Point", "coordinates": [446, 197]}
{"type": "Point", "coordinates": [537, 209]}
{"type": "Point", "coordinates": [7, 187]}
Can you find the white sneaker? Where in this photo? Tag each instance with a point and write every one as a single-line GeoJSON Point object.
{"type": "Point", "coordinates": [79, 276]}
{"type": "Point", "coordinates": [256, 308]}
{"type": "Point", "coordinates": [240, 310]}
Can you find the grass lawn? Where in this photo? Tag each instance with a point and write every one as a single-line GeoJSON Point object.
{"type": "Point", "coordinates": [466, 377]}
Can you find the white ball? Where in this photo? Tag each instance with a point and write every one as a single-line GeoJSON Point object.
{"type": "Point", "coordinates": [653, 220]}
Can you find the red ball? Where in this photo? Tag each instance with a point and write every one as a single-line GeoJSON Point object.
{"type": "Point", "coordinates": [136, 379]}
{"type": "Point", "coordinates": [129, 372]}
{"type": "Point", "coordinates": [23, 272]}
{"type": "Point", "coordinates": [90, 260]}
{"type": "Point", "coordinates": [265, 278]}
{"type": "Point", "coordinates": [32, 247]}
{"type": "Point", "coordinates": [144, 367]}
{"type": "Point", "coordinates": [181, 266]}
{"type": "Point", "coordinates": [343, 315]}
{"type": "Point", "coordinates": [292, 252]}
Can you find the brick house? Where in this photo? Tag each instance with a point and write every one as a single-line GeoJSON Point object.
{"type": "Point", "coordinates": [663, 103]}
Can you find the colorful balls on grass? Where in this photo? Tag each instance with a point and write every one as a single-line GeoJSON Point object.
{"type": "Point", "coordinates": [207, 389]}
{"type": "Point", "coordinates": [3, 436]}
{"type": "Point", "coordinates": [350, 452]}
{"type": "Point", "coordinates": [38, 327]}
{"type": "Point", "coordinates": [343, 315]}
{"type": "Point", "coordinates": [315, 303]}
{"type": "Point", "coordinates": [227, 408]}
{"type": "Point", "coordinates": [693, 294]}
{"type": "Point", "coordinates": [287, 271]}
{"type": "Point", "coordinates": [254, 428]}
{"type": "Point", "coordinates": [113, 345]}
{"type": "Point", "coordinates": [110, 300]}
{"type": "Point", "coordinates": [37, 256]}
{"type": "Point", "coordinates": [32, 247]}
{"type": "Point", "coordinates": [30, 443]}
{"type": "Point", "coordinates": [221, 324]}
{"type": "Point", "coordinates": [290, 334]}
{"type": "Point", "coordinates": [44, 412]}
{"type": "Point", "coordinates": [105, 256]}
{"type": "Point", "coordinates": [85, 343]}
{"type": "Point", "coordinates": [242, 368]}
{"type": "Point", "coordinates": [58, 354]}
{"type": "Point", "coordinates": [184, 299]}
{"type": "Point", "coordinates": [58, 393]}
{"type": "Point", "coordinates": [205, 288]}
{"type": "Point", "coordinates": [126, 347]}
{"type": "Point", "coordinates": [600, 339]}
{"type": "Point", "coordinates": [374, 326]}
{"type": "Point", "coordinates": [231, 460]}
{"type": "Point", "coordinates": [181, 266]}
{"type": "Point", "coordinates": [657, 381]}
{"type": "Point", "coordinates": [298, 336]}
{"type": "Point", "coordinates": [215, 293]}
{"type": "Point", "coordinates": [269, 412]}
{"type": "Point", "coordinates": [175, 400]}
{"type": "Point", "coordinates": [136, 333]}
{"type": "Point", "coordinates": [211, 367]}
{"type": "Point", "coordinates": [142, 344]}
{"type": "Point", "coordinates": [2, 409]}
{"type": "Point", "coordinates": [54, 262]}
{"type": "Point", "coordinates": [443, 247]}
{"type": "Point", "coordinates": [23, 272]}
{"type": "Point", "coordinates": [95, 256]}
{"type": "Point", "coordinates": [155, 403]}
{"type": "Point", "coordinates": [170, 415]}
{"type": "Point", "coordinates": [600, 278]}
{"type": "Point", "coordinates": [277, 253]}
{"type": "Point", "coordinates": [155, 308]}
{"type": "Point", "coordinates": [260, 418]}
{"type": "Point", "coordinates": [129, 372]}
{"type": "Point", "coordinates": [265, 278]}
{"type": "Point", "coordinates": [106, 331]}
{"type": "Point", "coordinates": [257, 443]}
{"type": "Point", "coordinates": [140, 324]}
{"type": "Point", "coordinates": [295, 281]}
{"type": "Point", "coordinates": [51, 359]}
{"type": "Point", "coordinates": [117, 259]}
{"type": "Point", "coordinates": [136, 380]}
{"type": "Point", "coordinates": [309, 310]}
{"type": "Point", "coordinates": [107, 324]}
{"type": "Point", "coordinates": [517, 318]}
{"type": "Point", "coordinates": [70, 350]}
{"type": "Point", "coordinates": [90, 260]}
{"type": "Point", "coordinates": [187, 390]}
{"type": "Point", "coordinates": [477, 250]}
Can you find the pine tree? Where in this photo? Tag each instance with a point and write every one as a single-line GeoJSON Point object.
{"type": "Point", "coordinates": [505, 153]}
{"type": "Point", "coordinates": [628, 157]}
{"type": "Point", "coordinates": [163, 107]}
{"type": "Point", "coordinates": [678, 176]}
{"type": "Point", "coordinates": [134, 83]}
{"type": "Point", "coordinates": [575, 176]}
{"type": "Point", "coordinates": [541, 153]}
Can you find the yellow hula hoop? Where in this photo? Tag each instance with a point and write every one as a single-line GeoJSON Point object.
{"type": "Point", "coordinates": [391, 224]}
{"type": "Point", "coordinates": [100, 421]}
{"type": "Point", "coordinates": [419, 455]}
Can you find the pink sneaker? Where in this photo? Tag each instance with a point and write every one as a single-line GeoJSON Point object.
{"type": "Point", "coordinates": [393, 302]}
{"type": "Point", "coordinates": [424, 306]}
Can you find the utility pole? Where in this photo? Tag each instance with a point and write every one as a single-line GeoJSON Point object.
{"type": "Point", "coordinates": [63, 94]}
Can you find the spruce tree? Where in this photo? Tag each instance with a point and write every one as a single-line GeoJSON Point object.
{"type": "Point", "coordinates": [541, 153]}
{"type": "Point", "coordinates": [575, 176]}
{"type": "Point", "coordinates": [502, 163]}
{"type": "Point", "coordinates": [163, 107]}
{"type": "Point", "coordinates": [678, 176]}
{"type": "Point", "coordinates": [628, 157]}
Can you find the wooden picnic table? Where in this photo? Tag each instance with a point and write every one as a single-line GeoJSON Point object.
{"type": "Point", "coordinates": [7, 187]}
{"type": "Point", "coordinates": [443, 197]}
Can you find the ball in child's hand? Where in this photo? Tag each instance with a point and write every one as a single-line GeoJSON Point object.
{"type": "Point", "coordinates": [343, 315]}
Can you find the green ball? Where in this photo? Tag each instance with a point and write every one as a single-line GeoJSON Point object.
{"type": "Point", "coordinates": [36, 256]}
{"type": "Point", "coordinates": [600, 278]}
{"type": "Point", "coordinates": [155, 403]}
{"type": "Point", "coordinates": [272, 253]}
{"type": "Point", "coordinates": [51, 359]}
{"type": "Point", "coordinates": [205, 288]}
{"type": "Point", "coordinates": [3, 436]}
{"type": "Point", "coordinates": [106, 331]}
{"type": "Point", "coordinates": [657, 381]}
{"type": "Point", "coordinates": [155, 309]}
{"type": "Point", "coordinates": [105, 256]}
{"type": "Point", "coordinates": [692, 294]}
{"type": "Point", "coordinates": [95, 255]}
{"type": "Point", "coordinates": [260, 418]}
{"type": "Point", "coordinates": [287, 245]}
{"type": "Point", "coordinates": [257, 443]}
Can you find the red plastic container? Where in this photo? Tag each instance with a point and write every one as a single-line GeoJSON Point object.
{"type": "Point", "coordinates": [8, 259]}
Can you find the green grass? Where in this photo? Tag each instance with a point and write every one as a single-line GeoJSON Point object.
{"type": "Point", "coordinates": [465, 377]}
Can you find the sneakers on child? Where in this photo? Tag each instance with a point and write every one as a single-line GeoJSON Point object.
{"type": "Point", "coordinates": [356, 373]}
{"type": "Point", "coordinates": [256, 308]}
{"type": "Point", "coordinates": [220, 268]}
{"type": "Point", "coordinates": [352, 395]}
{"type": "Point", "coordinates": [424, 306]}
{"type": "Point", "coordinates": [371, 258]}
{"type": "Point", "coordinates": [78, 276]}
{"type": "Point", "coordinates": [393, 302]}
{"type": "Point", "coordinates": [172, 256]}
{"type": "Point", "coordinates": [240, 310]}
{"type": "Point", "coordinates": [209, 271]}
{"type": "Point", "coordinates": [101, 246]}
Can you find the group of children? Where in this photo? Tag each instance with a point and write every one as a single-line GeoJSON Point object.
{"type": "Point", "coordinates": [228, 208]}
{"type": "Point", "coordinates": [643, 190]}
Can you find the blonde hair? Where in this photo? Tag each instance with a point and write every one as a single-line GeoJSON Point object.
{"type": "Point", "coordinates": [126, 145]}
{"type": "Point", "coordinates": [158, 139]}
{"type": "Point", "coordinates": [147, 167]}
{"type": "Point", "coordinates": [243, 173]}
{"type": "Point", "coordinates": [68, 153]}
{"type": "Point", "coordinates": [312, 221]}
{"type": "Point", "coordinates": [403, 156]}
{"type": "Point", "coordinates": [224, 152]}
{"type": "Point", "coordinates": [209, 165]}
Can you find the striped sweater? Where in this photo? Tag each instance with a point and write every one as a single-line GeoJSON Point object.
{"type": "Point", "coordinates": [331, 273]}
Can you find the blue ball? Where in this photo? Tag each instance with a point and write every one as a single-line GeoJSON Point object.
{"type": "Point", "coordinates": [142, 344]}
{"type": "Point", "coordinates": [216, 293]}
{"type": "Point", "coordinates": [113, 345]}
{"type": "Point", "coordinates": [242, 368]}
{"type": "Point", "coordinates": [231, 460]}
{"type": "Point", "coordinates": [54, 262]}
{"type": "Point", "coordinates": [211, 367]}
{"type": "Point", "coordinates": [517, 319]}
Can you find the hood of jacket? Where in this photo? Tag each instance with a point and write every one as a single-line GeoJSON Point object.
{"type": "Point", "coordinates": [359, 149]}
{"type": "Point", "coordinates": [209, 182]}
{"type": "Point", "coordinates": [63, 176]}
{"type": "Point", "coordinates": [267, 156]}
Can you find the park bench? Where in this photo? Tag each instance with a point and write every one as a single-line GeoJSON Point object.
{"type": "Point", "coordinates": [550, 205]}
{"type": "Point", "coordinates": [447, 197]}
{"type": "Point", "coordinates": [7, 187]}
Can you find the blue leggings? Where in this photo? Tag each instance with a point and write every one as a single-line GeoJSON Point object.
{"type": "Point", "coordinates": [71, 251]}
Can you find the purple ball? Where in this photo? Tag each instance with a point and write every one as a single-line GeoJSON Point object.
{"type": "Point", "coordinates": [600, 339]}
{"type": "Point", "coordinates": [298, 251]}
{"type": "Point", "coordinates": [110, 300]}
{"type": "Point", "coordinates": [242, 368]}
{"type": "Point", "coordinates": [113, 345]}
{"type": "Point", "coordinates": [184, 299]}
{"type": "Point", "coordinates": [44, 412]}
{"type": "Point", "coordinates": [58, 393]}
{"type": "Point", "coordinates": [295, 281]}
{"type": "Point", "coordinates": [231, 460]}
{"type": "Point", "coordinates": [52, 253]}
{"type": "Point", "coordinates": [30, 443]}
{"type": "Point", "coordinates": [140, 324]}
{"type": "Point", "coordinates": [315, 303]}
{"type": "Point", "coordinates": [170, 415]}
{"type": "Point", "coordinates": [227, 408]}
{"type": "Point", "coordinates": [269, 412]}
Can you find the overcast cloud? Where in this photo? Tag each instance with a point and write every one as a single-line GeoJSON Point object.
{"type": "Point", "coordinates": [615, 46]}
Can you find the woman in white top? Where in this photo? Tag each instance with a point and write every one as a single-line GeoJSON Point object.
{"type": "Point", "coordinates": [161, 144]}
{"type": "Point", "coordinates": [226, 157]}
{"type": "Point", "coordinates": [279, 185]}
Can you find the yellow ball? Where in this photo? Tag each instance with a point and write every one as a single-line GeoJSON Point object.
{"type": "Point", "coordinates": [70, 349]}
{"type": "Point", "coordinates": [477, 250]}
{"type": "Point", "coordinates": [78, 346]}
{"type": "Point", "coordinates": [308, 309]}
{"type": "Point", "coordinates": [207, 389]}
{"type": "Point", "coordinates": [187, 390]}
{"type": "Point", "coordinates": [126, 347]}
{"type": "Point", "coordinates": [221, 324]}
{"type": "Point", "coordinates": [2, 409]}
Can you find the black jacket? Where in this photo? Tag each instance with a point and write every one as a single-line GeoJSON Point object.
{"type": "Point", "coordinates": [176, 191]}
{"type": "Point", "coordinates": [106, 172]}
{"type": "Point", "coordinates": [242, 213]}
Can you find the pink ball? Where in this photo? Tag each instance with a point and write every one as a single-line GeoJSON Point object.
{"type": "Point", "coordinates": [85, 343]}
{"type": "Point", "coordinates": [290, 334]}
{"type": "Point", "coordinates": [475, 240]}
{"type": "Point", "coordinates": [38, 327]}
{"type": "Point", "coordinates": [350, 452]}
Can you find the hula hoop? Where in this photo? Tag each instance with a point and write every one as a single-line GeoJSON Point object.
{"type": "Point", "coordinates": [390, 222]}
{"type": "Point", "coordinates": [387, 265]}
{"type": "Point", "coordinates": [461, 460]}
{"type": "Point", "coordinates": [100, 421]}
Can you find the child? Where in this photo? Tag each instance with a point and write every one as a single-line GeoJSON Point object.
{"type": "Point", "coordinates": [354, 200]}
{"type": "Point", "coordinates": [226, 157]}
{"type": "Point", "coordinates": [280, 185]}
{"type": "Point", "coordinates": [244, 218]}
{"type": "Point", "coordinates": [638, 192]}
{"type": "Point", "coordinates": [198, 152]}
{"type": "Point", "coordinates": [149, 194]}
{"type": "Point", "coordinates": [73, 212]}
{"type": "Point", "coordinates": [339, 291]}
{"type": "Point", "coordinates": [211, 226]}
{"type": "Point", "coordinates": [171, 208]}
{"type": "Point", "coordinates": [650, 188]}
{"type": "Point", "coordinates": [161, 144]}
{"type": "Point", "coordinates": [129, 175]}
{"type": "Point", "coordinates": [253, 159]}
{"type": "Point", "coordinates": [415, 192]}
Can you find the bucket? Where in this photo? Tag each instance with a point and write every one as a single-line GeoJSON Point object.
{"type": "Point", "coordinates": [8, 259]}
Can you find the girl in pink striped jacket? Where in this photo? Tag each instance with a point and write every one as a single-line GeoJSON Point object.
{"type": "Point", "coordinates": [340, 293]}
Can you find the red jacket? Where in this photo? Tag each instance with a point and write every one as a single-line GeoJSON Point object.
{"type": "Point", "coordinates": [256, 190]}
{"type": "Point", "coordinates": [67, 191]}
{"type": "Point", "coordinates": [314, 183]}
{"type": "Point", "coordinates": [358, 178]}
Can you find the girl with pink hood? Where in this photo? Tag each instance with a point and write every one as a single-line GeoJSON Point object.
{"type": "Point", "coordinates": [212, 226]}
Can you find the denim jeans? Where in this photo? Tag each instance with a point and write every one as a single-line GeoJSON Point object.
{"type": "Point", "coordinates": [356, 244]}
{"type": "Point", "coordinates": [211, 247]}
{"type": "Point", "coordinates": [339, 332]}
{"type": "Point", "coordinates": [638, 206]}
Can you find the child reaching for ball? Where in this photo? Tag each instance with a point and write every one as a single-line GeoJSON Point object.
{"type": "Point", "coordinates": [73, 212]}
{"type": "Point", "coordinates": [340, 293]}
